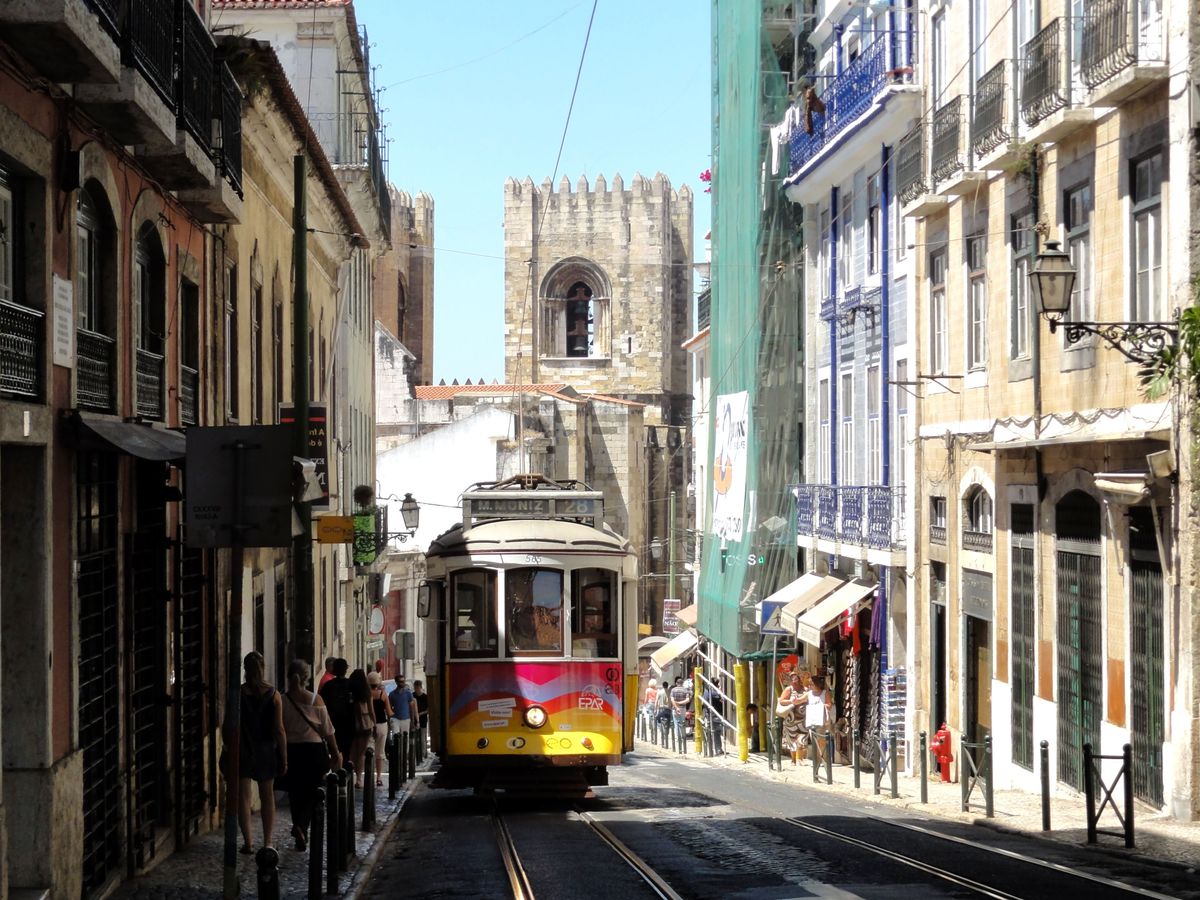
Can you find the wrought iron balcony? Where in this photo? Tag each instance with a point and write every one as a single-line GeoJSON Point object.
{"type": "Point", "coordinates": [150, 44]}
{"type": "Point", "coordinates": [95, 370]}
{"type": "Point", "coordinates": [1115, 37]}
{"type": "Point", "coordinates": [703, 310]}
{"type": "Point", "coordinates": [869, 516]}
{"type": "Point", "coordinates": [910, 166]}
{"type": "Point", "coordinates": [22, 344]}
{"type": "Point", "coordinates": [149, 372]}
{"type": "Point", "coordinates": [231, 127]}
{"type": "Point", "coordinates": [826, 512]}
{"type": "Point", "coordinates": [990, 125]}
{"type": "Point", "coordinates": [1046, 72]}
{"type": "Point", "coordinates": [189, 395]}
{"type": "Point", "coordinates": [948, 155]}
{"type": "Point", "coordinates": [977, 540]}
{"type": "Point", "coordinates": [194, 77]}
{"type": "Point", "coordinates": [850, 94]}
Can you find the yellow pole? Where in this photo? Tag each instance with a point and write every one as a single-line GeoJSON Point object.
{"type": "Point", "coordinates": [741, 696]}
{"type": "Point", "coordinates": [697, 716]}
{"type": "Point", "coordinates": [764, 711]}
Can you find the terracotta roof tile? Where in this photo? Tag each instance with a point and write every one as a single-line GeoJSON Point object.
{"type": "Point", "coordinates": [446, 391]}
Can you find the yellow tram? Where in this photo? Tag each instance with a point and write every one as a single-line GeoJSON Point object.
{"type": "Point", "coordinates": [532, 602]}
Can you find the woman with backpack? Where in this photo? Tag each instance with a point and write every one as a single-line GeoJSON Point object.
{"type": "Point", "coordinates": [262, 747]}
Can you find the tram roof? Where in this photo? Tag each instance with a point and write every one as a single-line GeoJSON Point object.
{"type": "Point", "coordinates": [525, 535]}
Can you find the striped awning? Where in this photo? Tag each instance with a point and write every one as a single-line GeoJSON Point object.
{"type": "Point", "coordinates": [813, 623]}
{"type": "Point", "coordinates": [802, 594]}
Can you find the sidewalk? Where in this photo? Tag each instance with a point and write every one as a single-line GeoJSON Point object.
{"type": "Point", "coordinates": [195, 871]}
{"type": "Point", "coordinates": [1159, 840]}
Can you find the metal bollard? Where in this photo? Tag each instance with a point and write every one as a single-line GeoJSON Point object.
{"type": "Point", "coordinates": [892, 765]}
{"type": "Point", "coordinates": [816, 756]}
{"type": "Point", "coordinates": [348, 833]}
{"type": "Point", "coordinates": [423, 738]}
{"type": "Point", "coordinates": [924, 768]}
{"type": "Point", "coordinates": [344, 836]}
{"type": "Point", "coordinates": [412, 753]}
{"type": "Point", "coordinates": [876, 777]}
{"type": "Point", "coordinates": [989, 807]}
{"type": "Point", "coordinates": [829, 757]}
{"type": "Point", "coordinates": [316, 846]}
{"type": "Point", "coordinates": [1127, 762]}
{"type": "Point", "coordinates": [393, 765]}
{"type": "Point", "coordinates": [1045, 754]}
{"type": "Point", "coordinates": [267, 860]}
{"type": "Point", "coordinates": [368, 800]}
{"type": "Point", "coordinates": [333, 830]}
{"type": "Point", "coordinates": [402, 742]}
{"type": "Point", "coordinates": [855, 759]}
{"type": "Point", "coordinates": [779, 743]}
{"type": "Point", "coordinates": [1089, 790]}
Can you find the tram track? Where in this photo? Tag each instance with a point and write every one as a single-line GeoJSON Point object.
{"type": "Point", "coordinates": [521, 884]}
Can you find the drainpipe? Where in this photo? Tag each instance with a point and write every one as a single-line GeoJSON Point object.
{"type": "Point", "coordinates": [885, 342]}
{"type": "Point", "coordinates": [834, 224]}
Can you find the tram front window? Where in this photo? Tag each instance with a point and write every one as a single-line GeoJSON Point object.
{"type": "Point", "coordinates": [474, 618]}
{"type": "Point", "coordinates": [534, 599]}
{"type": "Point", "coordinates": [593, 631]}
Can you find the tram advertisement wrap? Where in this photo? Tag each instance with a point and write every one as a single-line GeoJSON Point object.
{"type": "Point", "coordinates": [583, 702]}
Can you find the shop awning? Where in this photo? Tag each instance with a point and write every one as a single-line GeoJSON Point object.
{"type": "Point", "coordinates": [673, 649]}
{"type": "Point", "coordinates": [1127, 488]}
{"type": "Point", "coordinates": [687, 615]}
{"type": "Point", "coordinates": [801, 594]}
{"type": "Point", "coordinates": [813, 623]}
{"type": "Point", "coordinates": [134, 438]}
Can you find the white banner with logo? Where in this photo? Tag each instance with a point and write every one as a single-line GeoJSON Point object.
{"type": "Point", "coordinates": [729, 464]}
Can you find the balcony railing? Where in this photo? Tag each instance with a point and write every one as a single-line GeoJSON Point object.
{"type": "Point", "coordinates": [977, 540]}
{"type": "Point", "coordinates": [194, 78]}
{"type": "Point", "coordinates": [379, 179]}
{"type": "Point", "coordinates": [862, 515]}
{"type": "Point", "coordinates": [231, 126]}
{"type": "Point", "coordinates": [109, 13]}
{"type": "Point", "coordinates": [851, 94]}
{"type": "Point", "coordinates": [150, 44]}
{"type": "Point", "coordinates": [910, 166]}
{"type": "Point", "coordinates": [149, 384]}
{"type": "Point", "coordinates": [990, 125]}
{"type": "Point", "coordinates": [189, 395]}
{"type": "Point", "coordinates": [937, 534]}
{"type": "Point", "coordinates": [1046, 72]}
{"type": "Point", "coordinates": [829, 307]}
{"type": "Point", "coordinates": [95, 370]}
{"type": "Point", "coordinates": [703, 310]}
{"type": "Point", "coordinates": [21, 347]}
{"type": "Point", "coordinates": [1115, 36]}
{"type": "Point", "coordinates": [946, 155]}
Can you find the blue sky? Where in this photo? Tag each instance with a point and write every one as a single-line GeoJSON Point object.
{"type": "Point", "coordinates": [479, 90]}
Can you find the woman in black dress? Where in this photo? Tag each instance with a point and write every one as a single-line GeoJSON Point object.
{"type": "Point", "coordinates": [262, 747]}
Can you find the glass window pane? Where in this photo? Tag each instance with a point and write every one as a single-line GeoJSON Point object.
{"type": "Point", "coordinates": [533, 599]}
{"type": "Point", "coordinates": [473, 595]}
{"type": "Point", "coordinates": [593, 613]}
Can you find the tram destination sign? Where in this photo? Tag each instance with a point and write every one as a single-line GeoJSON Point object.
{"type": "Point", "coordinates": [529, 505]}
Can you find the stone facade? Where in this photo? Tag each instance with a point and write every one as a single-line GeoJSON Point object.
{"type": "Point", "coordinates": [404, 281]}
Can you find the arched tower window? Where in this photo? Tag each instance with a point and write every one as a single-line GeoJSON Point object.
{"type": "Point", "coordinates": [575, 312]}
{"type": "Point", "coordinates": [579, 320]}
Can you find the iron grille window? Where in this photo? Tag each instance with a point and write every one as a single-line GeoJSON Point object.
{"type": "Point", "coordinates": [190, 689]}
{"type": "Point", "coordinates": [1022, 587]}
{"type": "Point", "coordinates": [1147, 697]}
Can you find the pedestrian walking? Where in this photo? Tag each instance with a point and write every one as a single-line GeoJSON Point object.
{"type": "Point", "coordinates": [328, 675]}
{"type": "Point", "coordinates": [662, 706]}
{"type": "Point", "coordinates": [364, 722]}
{"type": "Point", "coordinates": [340, 703]}
{"type": "Point", "coordinates": [262, 747]}
{"type": "Point", "coordinates": [382, 710]}
{"type": "Point", "coordinates": [818, 709]}
{"type": "Point", "coordinates": [681, 700]}
{"type": "Point", "coordinates": [422, 700]}
{"type": "Point", "coordinates": [312, 747]}
{"type": "Point", "coordinates": [790, 707]}
{"type": "Point", "coordinates": [404, 707]}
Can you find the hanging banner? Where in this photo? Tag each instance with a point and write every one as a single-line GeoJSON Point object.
{"type": "Point", "coordinates": [729, 464]}
{"type": "Point", "coordinates": [318, 443]}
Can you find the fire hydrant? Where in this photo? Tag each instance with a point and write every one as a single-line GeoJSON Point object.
{"type": "Point", "coordinates": [940, 748]}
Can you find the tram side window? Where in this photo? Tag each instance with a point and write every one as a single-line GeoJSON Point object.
{"type": "Point", "coordinates": [534, 600]}
{"type": "Point", "coordinates": [474, 613]}
{"type": "Point", "coordinates": [593, 616]}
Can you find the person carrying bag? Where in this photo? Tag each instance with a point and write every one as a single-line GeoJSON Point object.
{"type": "Point", "coordinates": [312, 748]}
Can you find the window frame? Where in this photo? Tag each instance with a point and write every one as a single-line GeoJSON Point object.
{"type": "Point", "coordinates": [1021, 317]}
{"type": "Point", "coordinates": [578, 613]}
{"type": "Point", "coordinates": [1148, 209]}
{"type": "Point", "coordinates": [230, 329]}
{"type": "Point", "coordinates": [825, 431]}
{"type": "Point", "coordinates": [481, 651]}
{"type": "Point", "coordinates": [975, 248]}
{"type": "Point", "coordinates": [938, 325]}
{"type": "Point", "coordinates": [1078, 232]}
{"type": "Point", "coordinates": [874, 224]}
{"type": "Point", "coordinates": [979, 511]}
{"type": "Point", "coordinates": [846, 429]}
{"type": "Point", "coordinates": [874, 425]}
{"type": "Point", "coordinates": [511, 651]}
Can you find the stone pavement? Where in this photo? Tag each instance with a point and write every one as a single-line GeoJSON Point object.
{"type": "Point", "coordinates": [196, 872]}
{"type": "Point", "coordinates": [1159, 840]}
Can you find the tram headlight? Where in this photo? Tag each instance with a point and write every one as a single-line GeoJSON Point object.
{"type": "Point", "coordinates": [535, 717]}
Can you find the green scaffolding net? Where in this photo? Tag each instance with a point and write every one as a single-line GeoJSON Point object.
{"type": "Point", "coordinates": [756, 283]}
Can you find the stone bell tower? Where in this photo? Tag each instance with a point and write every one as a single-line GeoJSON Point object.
{"type": "Point", "coordinates": [598, 289]}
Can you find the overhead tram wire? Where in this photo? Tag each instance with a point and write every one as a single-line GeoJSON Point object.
{"type": "Point", "coordinates": [538, 230]}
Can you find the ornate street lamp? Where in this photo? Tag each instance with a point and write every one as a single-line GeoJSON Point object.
{"type": "Point", "coordinates": [410, 512]}
{"type": "Point", "coordinates": [656, 549]}
{"type": "Point", "coordinates": [1052, 281]}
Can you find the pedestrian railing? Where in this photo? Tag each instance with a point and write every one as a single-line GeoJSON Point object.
{"type": "Point", "coordinates": [976, 767]}
{"type": "Point", "coordinates": [883, 760]}
{"type": "Point", "coordinates": [1093, 778]}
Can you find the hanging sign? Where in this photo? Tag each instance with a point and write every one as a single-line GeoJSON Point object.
{"type": "Point", "coordinates": [729, 464]}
